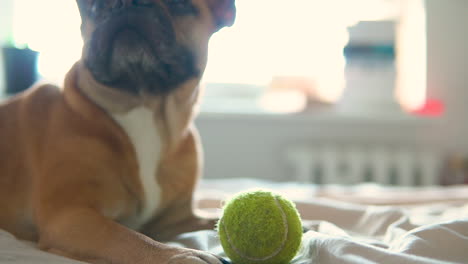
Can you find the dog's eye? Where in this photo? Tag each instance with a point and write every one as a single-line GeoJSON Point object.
{"type": "Point", "coordinates": [181, 7]}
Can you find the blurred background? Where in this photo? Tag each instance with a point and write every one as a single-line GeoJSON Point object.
{"type": "Point", "coordinates": [316, 91]}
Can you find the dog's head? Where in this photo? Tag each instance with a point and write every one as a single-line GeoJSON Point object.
{"type": "Point", "coordinates": [150, 45]}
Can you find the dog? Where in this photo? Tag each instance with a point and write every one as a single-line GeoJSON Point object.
{"type": "Point", "coordinates": [104, 170]}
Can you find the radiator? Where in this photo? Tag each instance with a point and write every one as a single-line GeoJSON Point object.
{"type": "Point", "coordinates": [352, 164]}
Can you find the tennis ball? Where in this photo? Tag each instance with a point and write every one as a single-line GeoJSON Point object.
{"type": "Point", "coordinates": [260, 227]}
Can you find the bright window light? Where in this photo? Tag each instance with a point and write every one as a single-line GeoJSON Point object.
{"type": "Point", "coordinates": [285, 46]}
{"type": "Point", "coordinates": [278, 38]}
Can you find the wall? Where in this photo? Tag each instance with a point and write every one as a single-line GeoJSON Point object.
{"type": "Point", "coordinates": [447, 42]}
{"type": "Point", "coordinates": [255, 146]}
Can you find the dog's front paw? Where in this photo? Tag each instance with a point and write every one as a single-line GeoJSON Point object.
{"type": "Point", "coordinates": [196, 257]}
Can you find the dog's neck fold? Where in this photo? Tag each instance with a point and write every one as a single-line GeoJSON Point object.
{"type": "Point", "coordinates": [173, 112]}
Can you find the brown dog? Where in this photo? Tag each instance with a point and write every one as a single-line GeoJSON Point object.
{"type": "Point", "coordinates": [97, 171]}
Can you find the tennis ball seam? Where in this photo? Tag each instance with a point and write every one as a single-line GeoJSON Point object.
{"type": "Point", "coordinates": [280, 248]}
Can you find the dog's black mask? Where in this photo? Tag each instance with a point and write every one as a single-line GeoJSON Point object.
{"type": "Point", "coordinates": [134, 48]}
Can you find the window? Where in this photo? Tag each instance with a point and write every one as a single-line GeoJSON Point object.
{"type": "Point", "coordinates": [281, 55]}
{"type": "Point", "coordinates": [54, 32]}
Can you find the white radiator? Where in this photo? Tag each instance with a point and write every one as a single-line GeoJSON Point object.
{"type": "Point", "coordinates": [351, 164]}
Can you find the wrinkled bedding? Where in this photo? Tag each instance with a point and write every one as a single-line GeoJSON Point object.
{"type": "Point", "coordinates": [360, 224]}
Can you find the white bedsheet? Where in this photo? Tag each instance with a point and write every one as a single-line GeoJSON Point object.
{"type": "Point", "coordinates": [427, 225]}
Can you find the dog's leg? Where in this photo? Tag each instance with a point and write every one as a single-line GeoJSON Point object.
{"type": "Point", "coordinates": [178, 220]}
{"type": "Point", "coordinates": [67, 255]}
{"type": "Point", "coordinates": [84, 234]}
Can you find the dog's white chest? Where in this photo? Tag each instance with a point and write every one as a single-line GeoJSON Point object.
{"type": "Point", "coordinates": [141, 128]}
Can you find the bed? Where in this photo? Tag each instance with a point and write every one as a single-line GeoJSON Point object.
{"type": "Point", "coordinates": [364, 223]}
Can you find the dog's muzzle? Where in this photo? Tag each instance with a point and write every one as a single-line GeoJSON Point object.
{"type": "Point", "coordinates": [134, 48]}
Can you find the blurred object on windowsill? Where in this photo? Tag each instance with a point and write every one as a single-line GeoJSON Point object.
{"type": "Point", "coordinates": [370, 69]}
{"type": "Point", "coordinates": [455, 170]}
{"type": "Point", "coordinates": [294, 94]}
{"type": "Point", "coordinates": [432, 108]}
{"type": "Point", "coordinates": [20, 69]}
{"type": "Point", "coordinates": [19, 63]}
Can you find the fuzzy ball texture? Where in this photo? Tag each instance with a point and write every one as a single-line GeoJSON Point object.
{"type": "Point", "coordinates": [260, 227]}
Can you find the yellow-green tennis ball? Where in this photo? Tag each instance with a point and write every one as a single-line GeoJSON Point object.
{"type": "Point", "coordinates": [260, 227]}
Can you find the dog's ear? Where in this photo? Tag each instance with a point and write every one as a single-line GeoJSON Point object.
{"type": "Point", "coordinates": [84, 6]}
{"type": "Point", "coordinates": [224, 12]}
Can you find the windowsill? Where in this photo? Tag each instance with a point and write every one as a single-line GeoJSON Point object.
{"type": "Point", "coordinates": [305, 117]}
{"type": "Point", "coordinates": [249, 111]}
